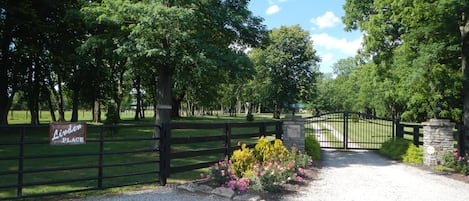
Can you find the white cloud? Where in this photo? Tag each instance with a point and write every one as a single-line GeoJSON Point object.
{"type": "Point", "coordinates": [327, 57]}
{"type": "Point", "coordinates": [332, 43]}
{"type": "Point", "coordinates": [327, 20]}
{"type": "Point", "coordinates": [272, 10]}
{"type": "Point", "coordinates": [276, 1]}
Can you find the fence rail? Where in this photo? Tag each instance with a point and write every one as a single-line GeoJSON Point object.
{"type": "Point", "coordinates": [28, 163]}
{"type": "Point", "coordinates": [415, 132]}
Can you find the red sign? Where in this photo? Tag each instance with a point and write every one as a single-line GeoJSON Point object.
{"type": "Point", "coordinates": [67, 133]}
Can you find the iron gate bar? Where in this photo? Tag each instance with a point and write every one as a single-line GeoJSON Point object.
{"type": "Point", "coordinates": [358, 130]}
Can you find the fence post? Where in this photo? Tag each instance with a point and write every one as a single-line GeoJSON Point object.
{"type": "Point", "coordinates": [460, 138]}
{"type": "Point", "coordinates": [416, 136]}
{"type": "Point", "coordinates": [19, 187]}
{"type": "Point", "coordinates": [278, 130]}
{"type": "Point", "coordinates": [101, 157]}
{"type": "Point", "coordinates": [399, 130]}
{"type": "Point", "coordinates": [345, 140]}
{"type": "Point", "coordinates": [262, 130]}
{"type": "Point", "coordinates": [227, 142]}
{"type": "Point", "coordinates": [165, 145]}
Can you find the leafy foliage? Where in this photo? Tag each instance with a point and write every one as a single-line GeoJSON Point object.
{"type": "Point", "coordinates": [413, 154]}
{"type": "Point", "coordinates": [312, 147]}
{"type": "Point", "coordinates": [457, 162]}
{"type": "Point", "coordinates": [275, 167]}
{"type": "Point", "coordinates": [395, 149]}
{"type": "Point", "coordinates": [242, 160]}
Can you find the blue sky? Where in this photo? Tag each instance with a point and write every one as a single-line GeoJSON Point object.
{"type": "Point", "coordinates": [321, 18]}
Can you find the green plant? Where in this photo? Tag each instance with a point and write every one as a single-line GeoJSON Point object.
{"type": "Point", "coordinates": [249, 117]}
{"type": "Point", "coordinates": [395, 149]}
{"type": "Point", "coordinates": [221, 172]}
{"type": "Point", "coordinates": [414, 155]}
{"type": "Point", "coordinates": [312, 147]}
{"type": "Point", "coordinates": [243, 160]}
{"type": "Point", "coordinates": [354, 118]}
{"type": "Point", "coordinates": [449, 160]}
{"type": "Point", "coordinates": [266, 151]}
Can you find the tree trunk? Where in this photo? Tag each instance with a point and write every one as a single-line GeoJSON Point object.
{"type": "Point", "coordinates": [51, 107]}
{"type": "Point", "coordinates": [138, 96]}
{"type": "Point", "coordinates": [176, 106]}
{"type": "Point", "coordinates": [464, 28]}
{"type": "Point", "coordinates": [96, 111]}
{"type": "Point", "coordinates": [5, 63]}
{"type": "Point", "coordinates": [276, 114]}
{"type": "Point", "coordinates": [75, 102]}
{"type": "Point", "coordinates": [60, 101]}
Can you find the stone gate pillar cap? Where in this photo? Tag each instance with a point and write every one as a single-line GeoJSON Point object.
{"type": "Point", "coordinates": [439, 122]}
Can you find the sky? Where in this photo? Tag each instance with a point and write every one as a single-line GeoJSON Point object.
{"type": "Point", "coordinates": [322, 18]}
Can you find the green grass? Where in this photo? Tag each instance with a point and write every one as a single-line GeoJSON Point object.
{"type": "Point", "coordinates": [41, 135]}
{"type": "Point", "coordinates": [360, 131]}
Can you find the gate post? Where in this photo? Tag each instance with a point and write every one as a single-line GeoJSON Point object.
{"type": "Point", "coordinates": [437, 139]}
{"type": "Point", "coordinates": [294, 132]}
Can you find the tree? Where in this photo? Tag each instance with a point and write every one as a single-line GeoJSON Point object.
{"type": "Point", "coordinates": [289, 62]}
{"type": "Point", "coordinates": [415, 46]}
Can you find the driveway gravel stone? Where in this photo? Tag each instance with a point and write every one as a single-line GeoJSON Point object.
{"type": "Point", "coordinates": [344, 176]}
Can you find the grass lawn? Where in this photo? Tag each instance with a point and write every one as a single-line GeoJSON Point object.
{"type": "Point", "coordinates": [360, 131]}
{"type": "Point", "coordinates": [145, 167]}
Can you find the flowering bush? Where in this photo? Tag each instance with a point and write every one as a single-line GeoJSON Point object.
{"type": "Point", "coordinates": [457, 162]}
{"type": "Point", "coordinates": [246, 169]}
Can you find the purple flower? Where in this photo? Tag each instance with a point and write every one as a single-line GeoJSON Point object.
{"type": "Point", "coordinates": [299, 179]}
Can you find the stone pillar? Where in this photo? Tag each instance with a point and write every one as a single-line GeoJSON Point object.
{"type": "Point", "coordinates": [437, 139]}
{"type": "Point", "coordinates": [294, 132]}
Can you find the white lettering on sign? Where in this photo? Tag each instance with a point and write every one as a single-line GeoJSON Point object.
{"type": "Point", "coordinates": [62, 133]}
{"type": "Point", "coordinates": [67, 133]}
{"type": "Point", "coordinates": [67, 140]}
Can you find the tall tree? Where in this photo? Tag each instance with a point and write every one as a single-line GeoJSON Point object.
{"type": "Point", "coordinates": [290, 64]}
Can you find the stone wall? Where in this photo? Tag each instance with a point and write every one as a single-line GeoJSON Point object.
{"type": "Point", "coordinates": [437, 139]}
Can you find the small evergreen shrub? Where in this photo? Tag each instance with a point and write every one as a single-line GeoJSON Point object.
{"type": "Point", "coordinates": [395, 149]}
{"type": "Point", "coordinates": [249, 117]}
{"type": "Point", "coordinates": [112, 118]}
{"type": "Point", "coordinates": [242, 161]}
{"type": "Point", "coordinates": [312, 147]}
{"type": "Point", "coordinates": [413, 155]}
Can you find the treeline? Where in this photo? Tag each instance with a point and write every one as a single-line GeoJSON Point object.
{"type": "Point", "coordinates": [414, 62]}
{"type": "Point", "coordinates": [64, 55]}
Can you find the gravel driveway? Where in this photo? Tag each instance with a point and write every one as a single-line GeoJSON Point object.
{"type": "Point", "coordinates": [355, 175]}
{"type": "Point", "coordinates": [362, 175]}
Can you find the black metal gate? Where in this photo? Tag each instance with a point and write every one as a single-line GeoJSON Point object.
{"type": "Point", "coordinates": [350, 130]}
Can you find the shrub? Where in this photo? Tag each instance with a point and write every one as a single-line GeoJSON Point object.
{"type": "Point", "coordinates": [221, 172]}
{"type": "Point", "coordinates": [414, 155]}
{"type": "Point", "coordinates": [457, 162]}
{"type": "Point", "coordinates": [395, 149]}
{"type": "Point", "coordinates": [354, 118]}
{"type": "Point", "coordinates": [249, 117]}
{"type": "Point", "coordinates": [243, 160]}
{"type": "Point", "coordinates": [312, 147]}
{"type": "Point", "coordinates": [266, 151]}
{"type": "Point", "coordinates": [265, 168]}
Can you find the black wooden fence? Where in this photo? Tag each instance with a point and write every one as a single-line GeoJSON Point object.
{"type": "Point", "coordinates": [414, 132]}
{"type": "Point", "coordinates": [109, 159]}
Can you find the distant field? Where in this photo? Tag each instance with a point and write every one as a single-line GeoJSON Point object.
{"type": "Point", "coordinates": [24, 117]}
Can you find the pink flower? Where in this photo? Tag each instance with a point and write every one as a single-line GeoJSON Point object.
{"type": "Point", "coordinates": [222, 173]}
{"type": "Point", "coordinates": [299, 179]}
{"type": "Point", "coordinates": [301, 170]}
{"type": "Point", "coordinates": [202, 175]}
